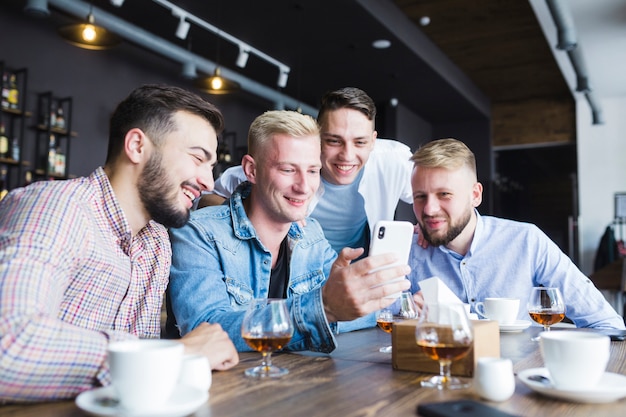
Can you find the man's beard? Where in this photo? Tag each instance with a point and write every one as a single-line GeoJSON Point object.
{"type": "Point", "coordinates": [451, 234]}
{"type": "Point", "coordinates": [154, 187]}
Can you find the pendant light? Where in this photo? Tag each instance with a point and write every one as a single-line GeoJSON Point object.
{"type": "Point", "coordinates": [216, 84]}
{"type": "Point", "coordinates": [88, 35]}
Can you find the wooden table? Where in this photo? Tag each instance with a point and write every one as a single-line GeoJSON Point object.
{"type": "Point", "coordinates": [358, 381]}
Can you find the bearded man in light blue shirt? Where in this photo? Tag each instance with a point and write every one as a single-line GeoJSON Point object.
{"type": "Point", "coordinates": [482, 256]}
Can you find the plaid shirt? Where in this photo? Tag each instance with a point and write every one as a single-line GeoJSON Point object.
{"type": "Point", "coordinates": [72, 278]}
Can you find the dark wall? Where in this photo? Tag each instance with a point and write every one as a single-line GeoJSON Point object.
{"type": "Point", "coordinates": [97, 81]}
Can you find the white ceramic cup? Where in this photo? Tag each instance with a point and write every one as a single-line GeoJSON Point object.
{"type": "Point", "coordinates": [503, 310]}
{"type": "Point", "coordinates": [494, 379]}
{"type": "Point", "coordinates": [576, 360]}
{"type": "Point", "coordinates": [144, 373]}
{"type": "Point", "coordinates": [196, 372]}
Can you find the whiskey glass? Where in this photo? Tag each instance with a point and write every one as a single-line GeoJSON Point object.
{"type": "Point", "coordinates": [266, 328]}
{"type": "Point", "coordinates": [403, 309]}
{"type": "Point", "coordinates": [546, 307]}
{"type": "Point", "coordinates": [445, 334]}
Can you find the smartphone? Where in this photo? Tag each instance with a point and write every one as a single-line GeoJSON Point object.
{"type": "Point", "coordinates": [460, 408]}
{"type": "Point", "coordinates": [392, 236]}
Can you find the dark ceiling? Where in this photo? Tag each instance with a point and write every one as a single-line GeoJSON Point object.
{"type": "Point", "coordinates": [497, 44]}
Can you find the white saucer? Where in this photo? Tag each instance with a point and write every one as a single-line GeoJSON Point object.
{"type": "Point", "coordinates": [611, 387]}
{"type": "Point", "coordinates": [102, 402]}
{"type": "Point", "coordinates": [517, 326]}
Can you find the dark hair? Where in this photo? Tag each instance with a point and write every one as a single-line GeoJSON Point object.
{"type": "Point", "coordinates": [151, 108]}
{"type": "Point", "coordinates": [350, 98]}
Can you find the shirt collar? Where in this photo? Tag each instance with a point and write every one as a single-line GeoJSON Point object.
{"type": "Point", "coordinates": [113, 212]}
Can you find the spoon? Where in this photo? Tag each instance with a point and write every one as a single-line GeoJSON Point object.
{"type": "Point", "coordinates": [541, 379]}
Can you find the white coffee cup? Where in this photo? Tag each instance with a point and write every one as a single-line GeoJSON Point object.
{"type": "Point", "coordinates": [503, 310]}
{"type": "Point", "coordinates": [494, 379]}
{"type": "Point", "coordinates": [144, 373]}
{"type": "Point", "coordinates": [196, 372]}
{"type": "Point", "coordinates": [576, 360]}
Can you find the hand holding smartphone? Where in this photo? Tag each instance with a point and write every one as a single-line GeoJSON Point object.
{"type": "Point", "coordinates": [392, 236]}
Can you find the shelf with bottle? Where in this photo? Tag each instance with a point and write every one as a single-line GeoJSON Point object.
{"type": "Point", "coordinates": [52, 146]}
{"type": "Point", "coordinates": [12, 123]}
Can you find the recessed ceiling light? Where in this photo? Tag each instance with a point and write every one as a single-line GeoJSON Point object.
{"type": "Point", "coordinates": [381, 44]}
{"type": "Point", "coordinates": [424, 20]}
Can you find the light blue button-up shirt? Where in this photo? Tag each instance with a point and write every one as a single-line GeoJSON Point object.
{"type": "Point", "coordinates": [219, 265]}
{"type": "Point", "coordinates": [508, 258]}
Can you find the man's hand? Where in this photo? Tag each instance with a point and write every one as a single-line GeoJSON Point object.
{"type": "Point", "coordinates": [213, 342]}
{"type": "Point", "coordinates": [420, 236]}
{"type": "Point", "coordinates": [418, 297]}
{"type": "Point", "coordinates": [351, 291]}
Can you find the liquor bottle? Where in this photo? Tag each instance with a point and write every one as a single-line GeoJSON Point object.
{"type": "Point", "coordinates": [14, 93]}
{"type": "Point", "coordinates": [52, 120]}
{"type": "Point", "coordinates": [4, 142]}
{"type": "Point", "coordinates": [59, 165]}
{"type": "Point", "coordinates": [15, 149]}
{"type": "Point", "coordinates": [5, 90]}
{"type": "Point", "coordinates": [3, 182]}
{"type": "Point", "coordinates": [60, 120]}
{"type": "Point", "coordinates": [52, 154]}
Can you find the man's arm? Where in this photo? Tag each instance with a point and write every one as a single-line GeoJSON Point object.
{"type": "Point", "coordinates": [42, 356]}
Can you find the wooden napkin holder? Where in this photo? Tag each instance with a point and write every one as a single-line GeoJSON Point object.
{"type": "Point", "coordinates": [407, 356]}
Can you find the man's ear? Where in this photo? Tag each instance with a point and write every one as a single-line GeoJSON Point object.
{"type": "Point", "coordinates": [249, 168]}
{"type": "Point", "coordinates": [135, 145]}
{"type": "Point", "coordinates": [477, 194]}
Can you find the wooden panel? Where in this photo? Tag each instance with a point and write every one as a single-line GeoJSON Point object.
{"type": "Point", "coordinates": [536, 121]}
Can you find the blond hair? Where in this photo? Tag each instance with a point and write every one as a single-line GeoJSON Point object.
{"type": "Point", "coordinates": [445, 153]}
{"type": "Point", "coordinates": [273, 122]}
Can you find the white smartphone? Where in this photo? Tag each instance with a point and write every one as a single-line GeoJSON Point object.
{"type": "Point", "coordinates": [392, 236]}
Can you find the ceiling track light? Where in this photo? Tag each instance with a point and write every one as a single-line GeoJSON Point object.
{"type": "Point", "coordinates": [283, 76]}
{"type": "Point", "coordinates": [88, 35]}
{"type": "Point", "coordinates": [242, 58]}
{"type": "Point", "coordinates": [245, 49]}
{"type": "Point", "coordinates": [183, 28]}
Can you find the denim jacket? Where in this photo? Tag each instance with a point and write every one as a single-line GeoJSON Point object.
{"type": "Point", "coordinates": [219, 265]}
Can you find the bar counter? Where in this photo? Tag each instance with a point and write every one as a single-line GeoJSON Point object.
{"type": "Point", "coordinates": [358, 381]}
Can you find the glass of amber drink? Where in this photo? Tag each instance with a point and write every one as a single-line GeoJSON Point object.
{"type": "Point", "coordinates": [266, 328]}
{"type": "Point", "coordinates": [445, 334]}
{"type": "Point", "coordinates": [546, 307]}
{"type": "Point", "coordinates": [385, 318]}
